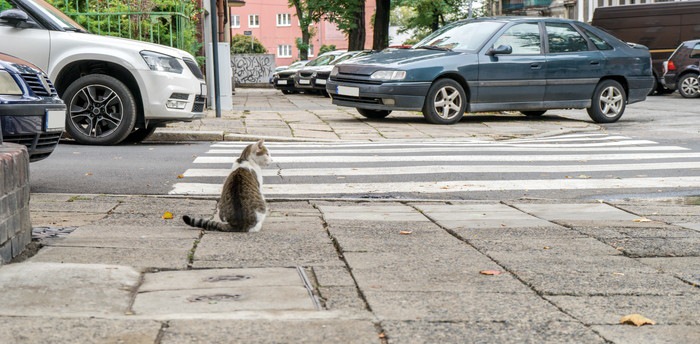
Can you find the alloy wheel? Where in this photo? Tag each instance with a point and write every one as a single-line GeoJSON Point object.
{"type": "Point", "coordinates": [96, 110]}
{"type": "Point", "coordinates": [690, 87]}
{"type": "Point", "coordinates": [448, 102]}
{"type": "Point", "coordinates": [611, 101]}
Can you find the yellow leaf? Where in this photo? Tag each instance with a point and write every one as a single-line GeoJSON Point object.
{"type": "Point", "coordinates": [490, 272]}
{"type": "Point", "coordinates": [642, 219]}
{"type": "Point", "coordinates": [180, 176]}
{"type": "Point", "coordinates": [405, 232]}
{"type": "Point", "coordinates": [167, 215]}
{"type": "Point", "coordinates": [636, 319]}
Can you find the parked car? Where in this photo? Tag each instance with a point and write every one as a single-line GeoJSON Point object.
{"type": "Point", "coordinates": [115, 88]}
{"type": "Point", "coordinates": [316, 77]}
{"type": "Point", "coordinates": [31, 112]}
{"type": "Point", "coordinates": [284, 79]}
{"type": "Point", "coordinates": [521, 64]}
{"type": "Point", "coordinates": [303, 79]}
{"type": "Point", "coordinates": [682, 69]}
{"type": "Point", "coordinates": [294, 65]}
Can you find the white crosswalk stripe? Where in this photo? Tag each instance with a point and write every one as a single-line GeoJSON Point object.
{"type": "Point", "coordinates": [565, 162]}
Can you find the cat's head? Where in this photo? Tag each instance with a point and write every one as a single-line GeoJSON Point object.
{"type": "Point", "coordinates": [258, 153]}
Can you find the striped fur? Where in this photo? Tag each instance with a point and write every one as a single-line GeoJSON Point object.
{"type": "Point", "coordinates": [242, 206]}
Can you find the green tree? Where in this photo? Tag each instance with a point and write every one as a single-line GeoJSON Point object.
{"type": "Point", "coordinates": [348, 16]}
{"type": "Point", "coordinates": [425, 16]}
{"type": "Point", "coordinates": [326, 48]}
{"type": "Point", "coordinates": [381, 25]}
{"type": "Point", "coordinates": [241, 44]}
{"type": "Point", "coordinates": [307, 13]}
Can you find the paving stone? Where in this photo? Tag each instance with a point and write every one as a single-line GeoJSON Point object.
{"type": "Point", "coordinates": [270, 331]}
{"type": "Point", "coordinates": [657, 334]}
{"type": "Point", "coordinates": [583, 214]}
{"type": "Point", "coordinates": [378, 212]}
{"type": "Point", "coordinates": [403, 239]}
{"type": "Point", "coordinates": [36, 289]}
{"type": "Point", "coordinates": [667, 231]}
{"type": "Point", "coordinates": [457, 307]}
{"type": "Point", "coordinates": [608, 310]}
{"type": "Point", "coordinates": [140, 258]}
{"type": "Point", "coordinates": [513, 331]}
{"type": "Point", "coordinates": [220, 278]}
{"type": "Point", "coordinates": [685, 268]}
{"type": "Point", "coordinates": [657, 247]}
{"type": "Point", "coordinates": [545, 247]}
{"type": "Point", "coordinates": [180, 206]}
{"type": "Point", "coordinates": [47, 329]}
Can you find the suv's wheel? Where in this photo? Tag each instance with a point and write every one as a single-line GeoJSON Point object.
{"type": "Point", "coordinates": [139, 135]}
{"type": "Point", "coordinates": [445, 103]}
{"type": "Point", "coordinates": [101, 110]}
{"type": "Point", "coordinates": [608, 102]}
{"type": "Point", "coordinates": [688, 86]}
{"type": "Point", "coordinates": [373, 113]}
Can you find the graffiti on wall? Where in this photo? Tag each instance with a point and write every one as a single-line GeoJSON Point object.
{"type": "Point", "coordinates": [252, 68]}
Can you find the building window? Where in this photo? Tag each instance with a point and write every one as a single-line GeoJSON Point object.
{"type": "Point", "coordinates": [284, 19]}
{"type": "Point", "coordinates": [235, 21]}
{"type": "Point", "coordinates": [253, 20]}
{"type": "Point", "coordinates": [284, 50]}
{"type": "Point", "coordinates": [311, 50]}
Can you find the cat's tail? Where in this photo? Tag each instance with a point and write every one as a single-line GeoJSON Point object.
{"type": "Point", "coordinates": [209, 225]}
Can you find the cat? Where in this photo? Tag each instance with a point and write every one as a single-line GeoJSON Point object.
{"type": "Point", "coordinates": [242, 206]}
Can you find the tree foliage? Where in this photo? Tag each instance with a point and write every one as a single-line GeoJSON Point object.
{"type": "Point", "coordinates": [307, 13]}
{"type": "Point", "coordinates": [326, 48]}
{"type": "Point", "coordinates": [241, 44]}
{"type": "Point", "coordinates": [425, 16]}
{"type": "Point", "coordinates": [348, 16]}
{"type": "Point", "coordinates": [169, 22]}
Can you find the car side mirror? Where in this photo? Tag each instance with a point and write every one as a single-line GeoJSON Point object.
{"type": "Point", "coordinates": [500, 50]}
{"type": "Point", "coordinates": [14, 16]}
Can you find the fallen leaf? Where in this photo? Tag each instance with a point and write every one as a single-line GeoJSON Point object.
{"type": "Point", "coordinates": [642, 219]}
{"type": "Point", "coordinates": [167, 215]}
{"type": "Point", "coordinates": [88, 174]}
{"type": "Point", "coordinates": [583, 176]}
{"type": "Point", "coordinates": [490, 272]}
{"type": "Point", "coordinates": [405, 232]}
{"type": "Point", "coordinates": [546, 248]}
{"type": "Point", "coordinates": [180, 176]}
{"type": "Point", "coordinates": [636, 319]}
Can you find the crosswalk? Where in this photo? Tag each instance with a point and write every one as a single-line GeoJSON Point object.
{"type": "Point", "coordinates": [590, 161]}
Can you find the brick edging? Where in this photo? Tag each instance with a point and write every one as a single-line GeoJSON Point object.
{"type": "Point", "coordinates": [15, 224]}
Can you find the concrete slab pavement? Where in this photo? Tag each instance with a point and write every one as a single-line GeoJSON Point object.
{"type": "Point", "coordinates": [351, 272]}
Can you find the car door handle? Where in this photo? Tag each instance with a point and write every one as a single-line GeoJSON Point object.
{"type": "Point", "coordinates": [595, 63]}
{"type": "Point", "coordinates": [535, 66]}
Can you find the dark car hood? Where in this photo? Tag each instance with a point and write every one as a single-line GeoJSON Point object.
{"type": "Point", "coordinates": [391, 58]}
{"type": "Point", "coordinates": [17, 65]}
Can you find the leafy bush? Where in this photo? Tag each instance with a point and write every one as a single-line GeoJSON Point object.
{"type": "Point", "coordinates": [241, 44]}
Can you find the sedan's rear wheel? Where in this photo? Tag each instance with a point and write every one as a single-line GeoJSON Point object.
{"type": "Point", "coordinates": [608, 102]}
{"type": "Point", "coordinates": [101, 110]}
{"type": "Point", "coordinates": [373, 113]}
{"type": "Point", "coordinates": [445, 103]}
{"type": "Point", "coordinates": [688, 86]}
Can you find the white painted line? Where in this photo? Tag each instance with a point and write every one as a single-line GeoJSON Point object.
{"type": "Point", "coordinates": [450, 186]}
{"type": "Point", "coordinates": [453, 158]}
{"type": "Point", "coordinates": [446, 169]}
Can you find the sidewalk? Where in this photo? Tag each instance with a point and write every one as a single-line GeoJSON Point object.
{"type": "Point", "coordinates": [112, 269]}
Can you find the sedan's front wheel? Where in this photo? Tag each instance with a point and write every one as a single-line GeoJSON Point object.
{"type": "Point", "coordinates": [689, 86]}
{"type": "Point", "coordinates": [445, 103]}
{"type": "Point", "coordinates": [608, 102]}
{"type": "Point", "coordinates": [101, 110]}
{"type": "Point", "coordinates": [376, 114]}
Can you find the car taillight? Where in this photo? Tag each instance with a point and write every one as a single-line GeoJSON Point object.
{"type": "Point", "coordinates": [671, 66]}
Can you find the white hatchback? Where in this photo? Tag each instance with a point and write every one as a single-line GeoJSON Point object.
{"type": "Point", "coordinates": [116, 89]}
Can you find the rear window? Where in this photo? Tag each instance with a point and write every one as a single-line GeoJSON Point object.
{"type": "Point", "coordinates": [599, 43]}
{"type": "Point", "coordinates": [695, 53]}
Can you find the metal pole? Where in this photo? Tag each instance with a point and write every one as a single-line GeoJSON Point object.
{"type": "Point", "coordinates": [215, 51]}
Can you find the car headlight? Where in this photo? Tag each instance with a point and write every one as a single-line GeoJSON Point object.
{"type": "Point", "coordinates": [334, 72]}
{"type": "Point", "coordinates": [161, 62]}
{"type": "Point", "coordinates": [388, 75]}
{"type": "Point", "coordinates": [8, 85]}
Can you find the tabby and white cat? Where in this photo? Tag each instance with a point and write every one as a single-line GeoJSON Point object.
{"type": "Point", "coordinates": [242, 206]}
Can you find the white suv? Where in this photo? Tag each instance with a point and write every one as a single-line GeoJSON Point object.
{"type": "Point", "coordinates": [116, 89]}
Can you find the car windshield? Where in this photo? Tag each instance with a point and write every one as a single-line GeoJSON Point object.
{"type": "Point", "coordinates": [57, 17]}
{"type": "Point", "coordinates": [322, 60]}
{"type": "Point", "coordinates": [348, 56]}
{"type": "Point", "coordinates": [460, 36]}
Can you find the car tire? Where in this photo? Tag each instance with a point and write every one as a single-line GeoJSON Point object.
{"type": "Point", "coordinates": [140, 134]}
{"type": "Point", "coordinates": [608, 102]}
{"type": "Point", "coordinates": [101, 110]}
{"type": "Point", "coordinates": [445, 103]}
{"type": "Point", "coordinates": [533, 113]}
{"type": "Point", "coordinates": [375, 114]}
{"type": "Point", "coordinates": [689, 85]}
{"type": "Point", "coordinates": [287, 91]}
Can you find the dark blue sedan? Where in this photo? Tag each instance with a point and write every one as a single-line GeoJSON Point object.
{"type": "Point", "coordinates": [521, 64]}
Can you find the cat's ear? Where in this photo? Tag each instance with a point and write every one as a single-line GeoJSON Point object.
{"type": "Point", "coordinates": [261, 143]}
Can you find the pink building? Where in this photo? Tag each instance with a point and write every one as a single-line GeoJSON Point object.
{"type": "Point", "coordinates": [275, 24]}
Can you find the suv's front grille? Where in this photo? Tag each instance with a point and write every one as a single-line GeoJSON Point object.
{"type": "Point", "coordinates": [40, 85]}
{"type": "Point", "coordinates": [194, 68]}
{"type": "Point", "coordinates": [199, 103]}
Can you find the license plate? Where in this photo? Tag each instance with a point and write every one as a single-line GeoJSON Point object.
{"type": "Point", "coordinates": [320, 81]}
{"type": "Point", "coordinates": [55, 120]}
{"type": "Point", "coordinates": [281, 82]}
{"type": "Point", "coordinates": [348, 91]}
{"type": "Point", "coordinates": [304, 82]}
